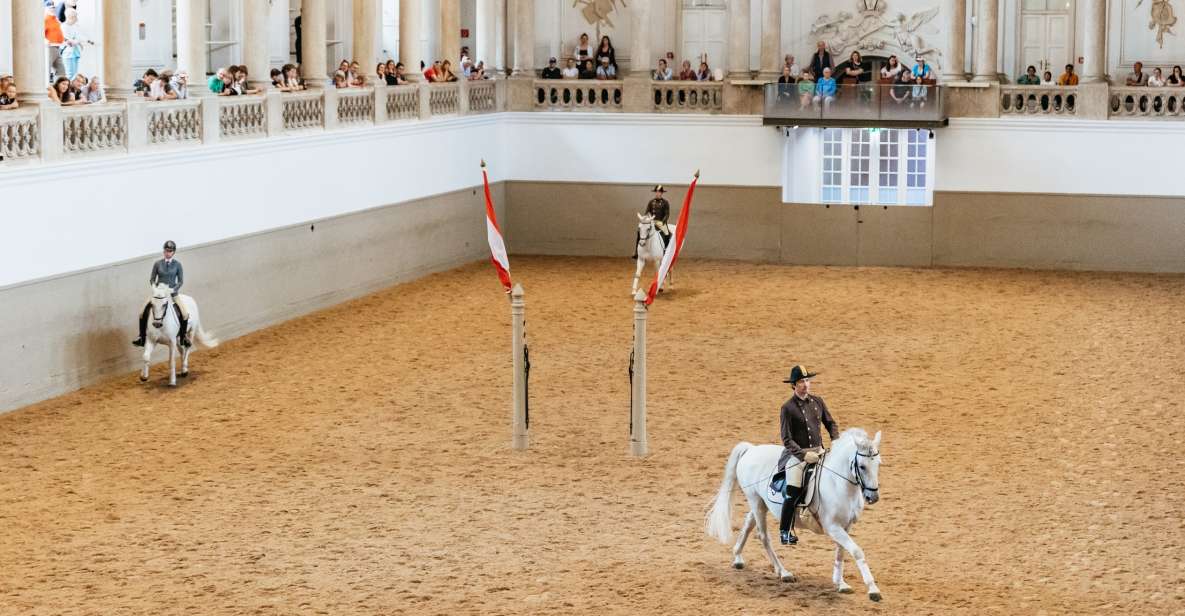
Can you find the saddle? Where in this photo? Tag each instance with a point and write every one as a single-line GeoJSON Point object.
{"type": "Point", "coordinates": [798, 474]}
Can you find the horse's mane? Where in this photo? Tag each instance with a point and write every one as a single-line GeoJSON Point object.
{"type": "Point", "coordinates": [857, 436]}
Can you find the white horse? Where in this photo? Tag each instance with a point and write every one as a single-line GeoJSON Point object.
{"type": "Point", "coordinates": [165, 327]}
{"type": "Point", "coordinates": [650, 249]}
{"type": "Point", "coordinates": [848, 478]}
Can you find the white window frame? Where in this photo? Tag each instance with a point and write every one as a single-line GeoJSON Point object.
{"type": "Point", "coordinates": [882, 144]}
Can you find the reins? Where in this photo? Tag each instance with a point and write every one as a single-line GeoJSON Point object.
{"type": "Point", "coordinates": [163, 313]}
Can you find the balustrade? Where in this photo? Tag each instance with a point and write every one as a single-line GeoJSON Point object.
{"type": "Point", "coordinates": [1147, 103]}
{"type": "Point", "coordinates": [688, 96]}
{"type": "Point", "coordinates": [584, 95]}
{"type": "Point", "coordinates": [403, 102]}
{"type": "Point", "coordinates": [175, 122]}
{"type": "Point", "coordinates": [94, 129]}
{"type": "Point", "coordinates": [355, 106]}
{"type": "Point", "coordinates": [444, 99]}
{"type": "Point", "coordinates": [1038, 100]}
{"type": "Point", "coordinates": [20, 134]}
{"type": "Point", "coordinates": [303, 110]}
{"type": "Point", "coordinates": [242, 117]}
{"type": "Point", "coordinates": [482, 96]}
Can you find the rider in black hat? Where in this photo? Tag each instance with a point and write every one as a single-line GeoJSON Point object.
{"type": "Point", "coordinates": [660, 209]}
{"type": "Point", "coordinates": [169, 272]}
{"type": "Point", "coordinates": [801, 416]}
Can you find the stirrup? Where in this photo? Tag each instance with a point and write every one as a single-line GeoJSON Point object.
{"type": "Point", "coordinates": [184, 341]}
{"type": "Point", "coordinates": [138, 342]}
{"type": "Point", "coordinates": [788, 538]}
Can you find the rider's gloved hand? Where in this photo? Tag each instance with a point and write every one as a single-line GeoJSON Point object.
{"type": "Point", "coordinates": [811, 457]}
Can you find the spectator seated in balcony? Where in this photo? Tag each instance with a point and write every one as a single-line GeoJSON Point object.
{"type": "Point", "coordinates": [704, 73]}
{"type": "Point", "coordinates": [587, 70]}
{"type": "Point", "coordinates": [161, 90]}
{"type": "Point", "coordinates": [291, 76]}
{"type": "Point", "coordinates": [923, 78]}
{"type": "Point", "coordinates": [277, 77]}
{"type": "Point", "coordinates": [1137, 77]}
{"type": "Point", "coordinates": [1047, 79]}
{"type": "Point", "coordinates": [180, 84]}
{"type": "Point", "coordinates": [446, 72]}
{"type": "Point", "coordinates": [606, 71]}
{"type": "Point", "coordinates": [786, 84]}
{"type": "Point", "coordinates": [788, 62]}
{"type": "Point", "coordinates": [686, 73]}
{"type": "Point", "coordinates": [855, 71]}
{"type": "Point", "coordinates": [8, 96]}
{"type": "Point", "coordinates": [141, 86]}
{"type": "Point", "coordinates": [217, 83]}
{"type": "Point", "coordinates": [821, 59]}
{"type": "Point", "coordinates": [806, 89]}
{"type": "Point", "coordinates": [467, 69]}
{"type": "Point", "coordinates": [570, 71]}
{"type": "Point", "coordinates": [605, 50]}
{"type": "Point", "coordinates": [62, 93]}
{"type": "Point", "coordinates": [400, 76]}
{"type": "Point", "coordinates": [389, 73]}
{"type": "Point", "coordinates": [825, 89]}
{"type": "Point", "coordinates": [902, 87]}
{"type": "Point", "coordinates": [552, 71]}
{"type": "Point", "coordinates": [344, 67]}
{"type": "Point", "coordinates": [584, 49]}
{"type": "Point", "coordinates": [1176, 78]}
{"type": "Point", "coordinates": [479, 71]}
{"type": "Point", "coordinates": [1068, 78]}
{"type": "Point", "coordinates": [1156, 79]}
{"type": "Point", "coordinates": [1030, 77]}
{"type": "Point", "coordinates": [357, 77]}
{"type": "Point", "coordinates": [239, 86]}
{"type": "Point", "coordinates": [432, 73]}
{"type": "Point", "coordinates": [663, 72]}
{"type": "Point", "coordinates": [5, 81]}
{"type": "Point", "coordinates": [339, 80]}
{"type": "Point", "coordinates": [891, 69]}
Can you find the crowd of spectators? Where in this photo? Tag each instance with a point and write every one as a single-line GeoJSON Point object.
{"type": "Point", "coordinates": [1157, 79]}
{"type": "Point", "coordinates": [821, 82]}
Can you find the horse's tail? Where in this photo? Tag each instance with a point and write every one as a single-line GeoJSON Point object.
{"type": "Point", "coordinates": [207, 339]}
{"type": "Point", "coordinates": [718, 522]}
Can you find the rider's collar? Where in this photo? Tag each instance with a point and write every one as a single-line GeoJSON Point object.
{"type": "Point", "coordinates": [802, 398]}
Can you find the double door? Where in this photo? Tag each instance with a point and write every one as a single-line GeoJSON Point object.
{"type": "Point", "coordinates": [1046, 32]}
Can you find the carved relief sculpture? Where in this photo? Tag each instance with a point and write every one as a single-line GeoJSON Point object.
{"type": "Point", "coordinates": [1161, 19]}
{"type": "Point", "coordinates": [598, 13]}
{"type": "Point", "coordinates": [871, 31]}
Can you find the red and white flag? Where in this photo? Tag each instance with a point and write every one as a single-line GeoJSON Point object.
{"type": "Point", "coordinates": [494, 235]}
{"type": "Point", "coordinates": [672, 253]}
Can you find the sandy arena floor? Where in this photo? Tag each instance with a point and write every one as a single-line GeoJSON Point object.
{"type": "Point", "coordinates": [357, 461]}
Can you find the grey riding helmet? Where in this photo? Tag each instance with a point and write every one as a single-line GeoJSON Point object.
{"type": "Point", "coordinates": [169, 245]}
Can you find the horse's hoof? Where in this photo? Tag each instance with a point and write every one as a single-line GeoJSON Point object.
{"type": "Point", "coordinates": [738, 565]}
{"type": "Point", "coordinates": [789, 577]}
{"type": "Point", "coordinates": [875, 596]}
{"type": "Point", "coordinates": [844, 590]}
{"type": "Point", "coordinates": [183, 374]}
{"type": "Point", "coordinates": [143, 379]}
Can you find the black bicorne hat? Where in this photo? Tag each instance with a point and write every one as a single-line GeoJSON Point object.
{"type": "Point", "coordinates": [797, 373]}
{"type": "Point", "coordinates": [659, 188]}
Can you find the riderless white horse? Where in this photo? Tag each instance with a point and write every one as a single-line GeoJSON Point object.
{"type": "Point", "coordinates": [847, 479]}
{"type": "Point", "coordinates": [650, 249]}
{"type": "Point", "coordinates": [166, 326]}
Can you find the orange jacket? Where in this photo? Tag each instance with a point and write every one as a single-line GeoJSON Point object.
{"type": "Point", "coordinates": [53, 30]}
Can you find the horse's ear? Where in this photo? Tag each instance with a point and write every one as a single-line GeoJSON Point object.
{"type": "Point", "coordinates": [876, 440]}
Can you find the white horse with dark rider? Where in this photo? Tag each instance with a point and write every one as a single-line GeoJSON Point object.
{"type": "Point", "coordinates": [650, 250]}
{"type": "Point", "coordinates": [847, 479]}
{"type": "Point", "coordinates": [164, 329]}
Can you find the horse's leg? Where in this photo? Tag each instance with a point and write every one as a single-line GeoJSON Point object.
{"type": "Point", "coordinates": [763, 533]}
{"type": "Point", "coordinates": [173, 363]}
{"type": "Point", "coordinates": [147, 358]}
{"type": "Point", "coordinates": [185, 360]}
{"type": "Point", "coordinates": [738, 561]}
{"type": "Point", "coordinates": [842, 537]}
{"type": "Point", "coordinates": [837, 572]}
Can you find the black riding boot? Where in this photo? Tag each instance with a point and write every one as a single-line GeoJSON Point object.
{"type": "Point", "coordinates": [143, 326]}
{"type": "Point", "coordinates": [183, 333]}
{"type": "Point", "coordinates": [637, 238]}
{"type": "Point", "coordinates": [793, 496]}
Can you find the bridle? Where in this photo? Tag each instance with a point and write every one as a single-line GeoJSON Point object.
{"type": "Point", "coordinates": [164, 312]}
{"type": "Point", "coordinates": [855, 470]}
{"type": "Point", "coordinates": [643, 239]}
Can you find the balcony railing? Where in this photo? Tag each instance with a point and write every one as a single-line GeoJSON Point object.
{"type": "Point", "coordinates": [579, 95]}
{"type": "Point", "coordinates": [175, 122]}
{"type": "Point", "coordinates": [688, 96]}
{"type": "Point", "coordinates": [1039, 100]}
{"type": "Point", "coordinates": [20, 135]}
{"type": "Point", "coordinates": [911, 105]}
{"type": "Point", "coordinates": [1147, 103]}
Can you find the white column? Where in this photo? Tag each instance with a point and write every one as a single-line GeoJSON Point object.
{"type": "Point", "coordinates": [367, 21]}
{"type": "Point", "coordinates": [1094, 67]}
{"type": "Point", "coordinates": [313, 39]}
{"type": "Point", "coordinates": [450, 32]}
{"type": "Point", "coordinates": [117, 47]}
{"type": "Point", "coordinates": [953, 56]}
{"type": "Point", "coordinates": [28, 50]}
{"type": "Point", "coordinates": [738, 39]}
{"type": "Point", "coordinates": [191, 43]}
{"type": "Point", "coordinates": [771, 39]}
{"type": "Point", "coordinates": [255, 30]}
{"type": "Point", "coordinates": [524, 38]}
{"type": "Point", "coordinates": [640, 51]}
{"type": "Point", "coordinates": [639, 443]}
{"type": "Point", "coordinates": [987, 34]}
{"type": "Point", "coordinates": [487, 22]}
{"type": "Point", "coordinates": [520, 437]}
{"type": "Point", "coordinates": [410, 22]}
{"type": "Point", "coordinates": [501, 26]}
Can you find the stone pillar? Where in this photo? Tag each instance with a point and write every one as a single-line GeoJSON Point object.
{"type": "Point", "coordinates": [524, 38]}
{"type": "Point", "coordinates": [191, 43]}
{"type": "Point", "coordinates": [28, 51]}
{"type": "Point", "coordinates": [450, 33]}
{"type": "Point", "coordinates": [410, 22]}
{"type": "Point", "coordinates": [640, 51]}
{"type": "Point", "coordinates": [738, 39]}
{"type": "Point", "coordinates": [1094, 67]}
{"type": "Point", "coordinates": [117, 47]}
{"type": "Point", "coordinates": [486, 39]}
{"type": "Point", "coordinates": [771, 40]}
{"type": "Point", "coordinates": [367, 21]}
{"type": "Point", "coordinates": [255, 39]}
{"type": "Point", "coordinates": [498, 61]}
{"type": "Point", "coordinates": [313, 39]}
{"type": "Point", "coordinates": [987, 36]}
{"type": "Point", "coordinates": [954, 55]}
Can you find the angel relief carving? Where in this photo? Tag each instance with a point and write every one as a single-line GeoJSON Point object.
{"type": "Point", "coordinates": [599, 13]}
{"type": "Point", "coordinates": [1161, 18]}
{"type": "Point", "coordinates": [870, 30]}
